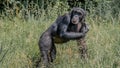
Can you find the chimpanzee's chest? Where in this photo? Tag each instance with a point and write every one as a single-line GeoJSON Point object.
{"type": "Point", "coordinates": [74, 28]}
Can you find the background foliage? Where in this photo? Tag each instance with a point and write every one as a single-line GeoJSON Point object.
{"type": "Point", "coordinates": [23, 21]}
{"type": "Point", "coordinates": [28, 8]}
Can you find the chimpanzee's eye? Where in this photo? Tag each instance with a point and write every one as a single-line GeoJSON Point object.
{"type": "Point", "coordinates": [79, 14]}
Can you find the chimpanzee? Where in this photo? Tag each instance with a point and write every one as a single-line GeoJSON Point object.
{"type": "Point", "coordinates": [70, 26]}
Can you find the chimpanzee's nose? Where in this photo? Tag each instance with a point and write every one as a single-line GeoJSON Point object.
{"type": "Point", "coordinates": [76, 16]}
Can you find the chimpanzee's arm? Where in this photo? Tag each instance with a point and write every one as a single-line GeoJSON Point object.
{"type": "Point", "coordinates": [63, 30]}
{"type": "Point", "coordinates": [70, 35]}
{"type": "Point", "coordinates": [85, 28]}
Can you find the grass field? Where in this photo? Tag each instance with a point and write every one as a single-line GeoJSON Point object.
{"type": "Point", "coordinates": [19, 45]}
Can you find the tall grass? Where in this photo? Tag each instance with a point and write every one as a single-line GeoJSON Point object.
{"type": "Point", "coordinates": [19, 44]}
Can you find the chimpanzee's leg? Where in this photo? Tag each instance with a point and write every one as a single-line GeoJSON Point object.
{"type": "Point", "coordinates": [53, 52]}
{"type": "Point", "coordinates": [82, 47]}
{"type": "Point", "coordinates": [44, 58]}
{"type": "Point", "coordinates": [45, 45]}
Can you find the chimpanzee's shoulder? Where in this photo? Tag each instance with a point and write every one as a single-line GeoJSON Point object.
{"type": "Point", "coordinates": [63, 19]}
{"type": "Point", "coordinates": [66, 15]}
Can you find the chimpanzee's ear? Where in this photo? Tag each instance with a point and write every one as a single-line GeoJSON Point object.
{"type": "Point", "coordinates": [72, 10]}
{"type": "Point", "coordinates": [84, 15]}
{"type": "Point", "coordinates": [71, 13]}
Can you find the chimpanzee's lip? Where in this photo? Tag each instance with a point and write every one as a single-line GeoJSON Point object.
{"type": "Point", "coordinates": [74, 22]}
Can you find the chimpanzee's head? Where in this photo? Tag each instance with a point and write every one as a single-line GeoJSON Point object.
{"type": "Point", "coordinates": [78, 15]}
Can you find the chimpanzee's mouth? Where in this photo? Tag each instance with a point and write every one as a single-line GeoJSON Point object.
{"type": "Point", "coordinates": [75, 22]}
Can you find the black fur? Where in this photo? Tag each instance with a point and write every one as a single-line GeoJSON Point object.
{"type": "Point", "coordinates": [65, 28]}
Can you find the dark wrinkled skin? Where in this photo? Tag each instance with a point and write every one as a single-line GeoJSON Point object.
{"type": "Point", "coordinates": [70, 26]}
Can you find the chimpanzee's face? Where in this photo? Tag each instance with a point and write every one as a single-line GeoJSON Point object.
{"type": "Point", "coordinates": [77, 16]}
